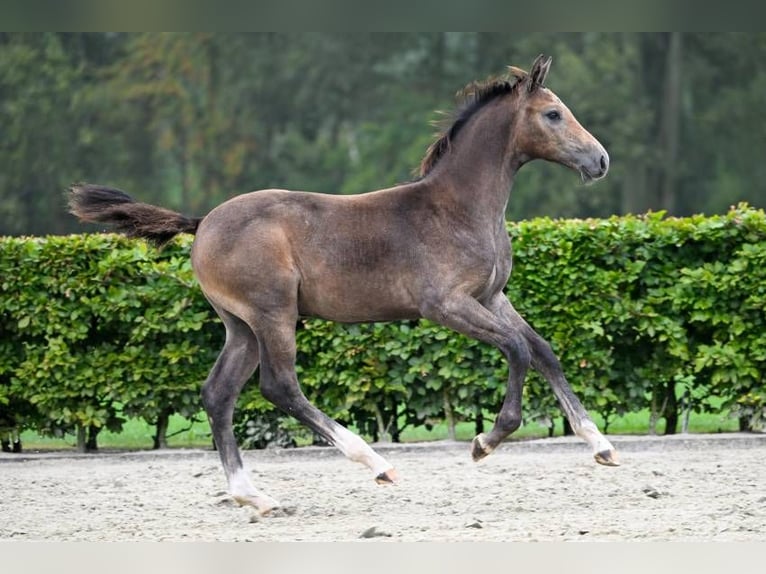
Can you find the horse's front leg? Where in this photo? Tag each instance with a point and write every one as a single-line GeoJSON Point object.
{"type": "Point", "coordinates": [466, 315]}
{"type": "Point", "coordinates": [544, 360]}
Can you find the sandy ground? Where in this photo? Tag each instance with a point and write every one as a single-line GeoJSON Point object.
{"type": "Point", "coordinates": [701, 487]}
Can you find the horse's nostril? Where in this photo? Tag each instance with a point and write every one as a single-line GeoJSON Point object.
{"type": "Point", "coordinates": [603, 163]}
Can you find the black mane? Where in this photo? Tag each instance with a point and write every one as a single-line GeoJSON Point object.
{"type": "Point", "coordinates": [472, 98]}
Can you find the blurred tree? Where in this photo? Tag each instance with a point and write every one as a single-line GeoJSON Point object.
{"type": "Point", "coordinates": [190, 119]}
{"type": "Point", "coordinates": [42, 127]}
{"type": "Point", "coordinates": [724, 133]}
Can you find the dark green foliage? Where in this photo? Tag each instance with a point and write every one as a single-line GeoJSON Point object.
{"type": "Point", "coordinates": [185, 120]}
{"type": "Point", "coordinates": [93, 323]}
{"type": "Point", "coordinates": [639, 308]}
{"type": "Point", "coordinates": [643, 311]}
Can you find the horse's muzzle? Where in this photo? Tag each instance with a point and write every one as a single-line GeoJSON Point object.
{"type": "Point", "coordinates": [596, 165]}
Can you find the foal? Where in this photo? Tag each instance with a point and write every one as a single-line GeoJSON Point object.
{"type": "Point", "coordinates": [435, 248]}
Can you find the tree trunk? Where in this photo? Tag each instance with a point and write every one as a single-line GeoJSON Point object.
{"type": "Point", "coordinates": [634, 198]}
{"type": "Point", "coordinates": [566, 427]}
{"type": "Point", "coordinates": [161, 435]}
{"type": "Point", "coordinates": [186, 161]}
{"type": "Point", "coordinates": [671, 409]}
{"type": "Point", "coordinates": [437, 53]}
{"type": "Point", "coordinates": [479, 421]}
{"type": "Point", "coordinates": [91, 444]}
{"type": "Point", "coordinates": [395, 430]}
{"type": "Point", "coordinates": [635, 194]}
{"type": "Point", "coordinates": [686, 407]}
{"type": "Point", "coordinates": [449, 416]}
{"type": "Point", "coordinates": [211, 180]}
{"type": "Point", "coordinates": [81, 439]}
{"type": "Point", "coordinates": [656, 410]}
{"type": "Point", "coordinates": [671, 121]}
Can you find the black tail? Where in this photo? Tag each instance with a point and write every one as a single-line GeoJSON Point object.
{"type": "Point", "coordinates": [95, 203]}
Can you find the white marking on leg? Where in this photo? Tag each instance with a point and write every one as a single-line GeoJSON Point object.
{"type": "Point", "coordinates": [240, 483]}
{"type": "Point", "coordinates": [588, 431]}
{"type": "Point", "coordinates": [243, 491]}
{"type": "Point", "coordinates": [354, 447]}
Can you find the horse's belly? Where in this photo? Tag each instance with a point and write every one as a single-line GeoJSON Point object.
{"type": "Point", "coordinates": [356, 302]}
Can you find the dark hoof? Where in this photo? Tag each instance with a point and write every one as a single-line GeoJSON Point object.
{"type": "Point", "coordinates": [479, 449]}
{"type": "Point", "coordinates": [388, 477]}
{"type": "Point", "coordinates": [607, 458]}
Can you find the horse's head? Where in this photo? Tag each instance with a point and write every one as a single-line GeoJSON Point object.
{"type": "Point", "coordinates": [546, 129]}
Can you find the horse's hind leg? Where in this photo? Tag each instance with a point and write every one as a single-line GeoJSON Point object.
{"type": "Point", "coordinates": [234, 366]}
{"type": "Point", "coordinates": [545, 361]}
{"type": "Point", "coordinates": [279, 384]}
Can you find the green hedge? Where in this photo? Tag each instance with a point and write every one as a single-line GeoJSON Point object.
{"type": "Point", "coordinates": [95, 328]}
{"type": "Point", "coordinates": [643, 311]}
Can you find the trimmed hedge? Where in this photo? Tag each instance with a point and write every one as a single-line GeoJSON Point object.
{"type": "Point", "coordinates": [99, 327]}
{"type": "Point", "coordinates": [643, 311]}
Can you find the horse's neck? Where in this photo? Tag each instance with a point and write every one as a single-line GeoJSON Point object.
{"type": "Point", "coordinates": [477, 173]}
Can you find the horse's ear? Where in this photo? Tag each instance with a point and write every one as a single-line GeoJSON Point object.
{"type": "Point", "coordinates": [539, 71]}
{"type": "Point", "coordinates": [516, 73]}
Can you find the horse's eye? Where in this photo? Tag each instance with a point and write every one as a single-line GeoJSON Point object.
{"type": "Point", "coordinates": [553, 115]}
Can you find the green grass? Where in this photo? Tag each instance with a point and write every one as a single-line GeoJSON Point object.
{"type": "Point", "coordinates": [137, 434]}
{"type": "Point", "coordinates": [629, 424]}
{"type": "Point", "coordinates": [465, 431]}
{"type": "Point", "coordinates": [638, 423]}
